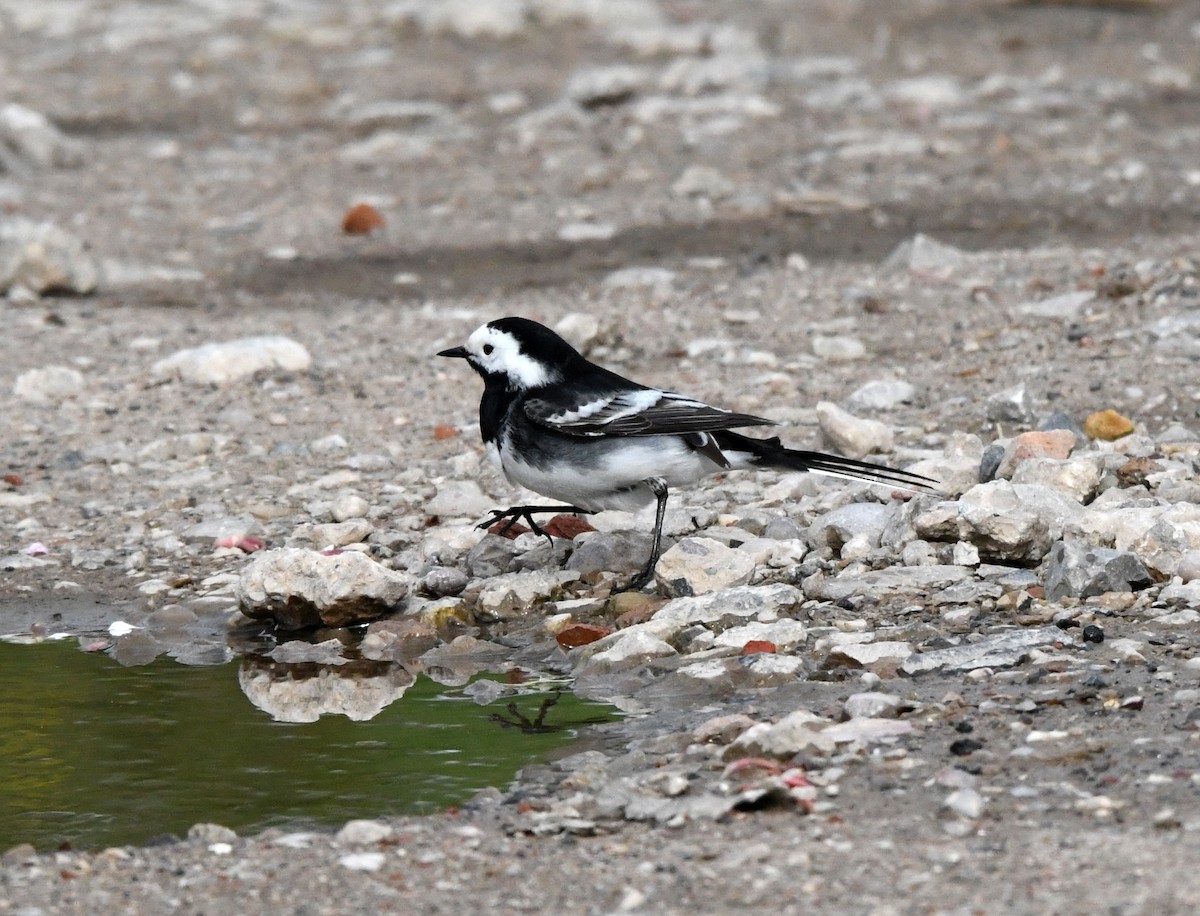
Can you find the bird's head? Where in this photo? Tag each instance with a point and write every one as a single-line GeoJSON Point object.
{"type": "Point", "coordinates": [521, 353]}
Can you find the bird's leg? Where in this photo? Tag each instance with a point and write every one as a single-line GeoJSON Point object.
{"type": "Point", "coordinates": [658, 487]}
{"type": "Point", "coordinates": [515, 513]}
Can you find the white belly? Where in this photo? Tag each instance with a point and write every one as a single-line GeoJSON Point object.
{"type": "Point", "coordinates": [611, 473]}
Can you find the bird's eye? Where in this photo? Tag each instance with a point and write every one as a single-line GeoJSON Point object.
{"type": "Point", "coordinates": [487, 349]}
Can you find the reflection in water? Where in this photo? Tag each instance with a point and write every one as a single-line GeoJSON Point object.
{"type": "Point", "coordinates": [94, 753]}
{"type": "Point", "coordinates": [303, 692]}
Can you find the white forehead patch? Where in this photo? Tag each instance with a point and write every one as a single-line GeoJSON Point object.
{"type": "Point", "coordinates": [498, 353]}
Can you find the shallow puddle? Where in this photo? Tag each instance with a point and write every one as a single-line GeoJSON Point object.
{"type": "Point", "coordinates": [95, 754]}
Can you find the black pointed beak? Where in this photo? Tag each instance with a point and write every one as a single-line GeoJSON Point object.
{"type": "Point", "coordinates": [455, 352]}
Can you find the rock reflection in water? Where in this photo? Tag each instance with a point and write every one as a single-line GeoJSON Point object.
{"type": "Point", "coordinates": [359, 689]}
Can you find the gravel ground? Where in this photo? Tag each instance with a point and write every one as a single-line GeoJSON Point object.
{"type": "Point", "coordinates": [706, 196]}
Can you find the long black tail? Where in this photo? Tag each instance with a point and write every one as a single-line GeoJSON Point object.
{"type": "Point", "coordinates": [773, 454]}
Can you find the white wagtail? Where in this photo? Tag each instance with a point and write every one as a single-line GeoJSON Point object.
{"type": "Point", "coordinates": [568, 429]}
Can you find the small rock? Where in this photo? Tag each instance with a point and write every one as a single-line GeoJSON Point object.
{"type": "Point", "coordinates": [516, 593]}
{"type": "Point", "coordinates": [1057, 443]}
{"type": "Point", "coordinates": [1189, 566]}
{"type": "Point", "coordinates": [700, 566]}
{"type": "Point", "coordinates": [580, 634]}
{"type": "Point", "coordinates": [798, 732]}
{"type": "Point", "coordinates": [211, 833]}
{"type": "Point", "coordinates": [1064, 307]}
{"type": "Point", "coordinates": [442, 581]}
{"type": "Point", "coordinates": [48, 385]}
{"type": "Point", "coordinates": [871, 705]}
{"type": "Point", "coordinates": [219, 363]}
{"type": "Point", "coordinates": [1015, 522]}
{"type": "Point", "coordinates": [866, 655]}
{"type": "Point", "coordinates": [1009, 406]}
{"type": "Point", "coordinates": [853, 436]}
{"type": "Point", "coordinates": [42, 258]}
{"type": "Point", "coordinates": [582, 329]}
{"type": "Point", "coordinates": [598, 86]}
{"type": "Point", "coordinates": [363, 833]}
{"type": "Point", "coordinates": [342, 534]}
{"type": "Point", "coordinates": [1000, 651]}
{"type": "Point", "coordinates": [923, 254]}
{"type": "Point", "coordinates": [302, 588]}
{"type": "Point", "coordinates": [35, 140]}
{"type": "Point", "coordinates": [856, 520]}
{"type": "Point", "coordinates": [882, 394]}
{"type": "Point", "coordinates": [627, 649]}
{"type": "Point", "coordinates": [1107, 425]}
{"type": "Point", "coordinates": [966, 803]}
{"type": "Point", "coordinates": [458, 499]}
{"type": "Point", "coordinates": [702, 181]}
{"type": "Point", "coordinates": [1077, 570]}
{"type": "Point", "coordinates": [838, 349]}
{"type": "Point", "coordinates": [348, 506]}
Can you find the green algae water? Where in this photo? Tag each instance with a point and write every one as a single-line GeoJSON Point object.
{"type": "Point", "coordinates": [93, 754]}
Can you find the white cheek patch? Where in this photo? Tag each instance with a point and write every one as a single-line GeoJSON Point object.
{"type": "Point", "coordinates": [524, 371]}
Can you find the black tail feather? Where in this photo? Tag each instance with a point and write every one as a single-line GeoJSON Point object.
{"type": "Point", "coordinates": [774, 455]}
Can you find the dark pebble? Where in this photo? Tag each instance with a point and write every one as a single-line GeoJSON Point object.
{"type": "Point", "coordinates": [1093, 633]}
{"type": "Point", "coordinates": [989, 464]}
{"type": "Point", "coordinates": [965, 746]}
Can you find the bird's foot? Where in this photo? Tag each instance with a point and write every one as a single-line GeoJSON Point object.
{"type": "Point", "coordinates": [638, 582]}
{"type": "Point", "coordinates": [513, 514]}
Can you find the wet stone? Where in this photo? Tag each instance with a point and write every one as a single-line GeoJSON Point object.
{"type": "Point", "coordinates": [1001, 650]}
{"type": "Point", "coordinates": [302, 588]}
{"type": "Point", "coordinates": [442, 581]}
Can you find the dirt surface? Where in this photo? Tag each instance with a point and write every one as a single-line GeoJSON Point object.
{"type": "Point", "coordinates": [770, 157]}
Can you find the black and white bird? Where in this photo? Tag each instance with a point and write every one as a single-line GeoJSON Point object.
{"type": "Point", "coordinates": [568, 429]}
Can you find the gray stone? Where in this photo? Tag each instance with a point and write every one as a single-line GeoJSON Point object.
{"type": "Point", "coordinates": [609, 85]}
{"type": "Point", "coordinates": [342, 534]}
{"type": "Point", "coordinates": [1189, 566]}
{"type": "Point", "coordinates": [219, 363]}
{"type": "Point", "coordinates": [48, 385]}
{"type": "Point", "coordinates": [1016, 522]}
{"type": "Point", "coordinates": [856, 520]}
{"type": "Point", "coordinates": [443, 581]}
{"type": "Point", "coordinates": [459, 499]}
{"type": "Point", "coordinates": [838, 348]}
{"type": "Point", "coordinates": [610, 551]}
{"type": "Point", "coordinates": [882, 394]}
{"type": "Point", "coordinates": [923, 254]}
{"type": "Point", "coordinates": [885, 583]}
{"type": "Point", "coordinates": [491, 556]}
{"type": "Point", "coordinates": [348, 506]}
{"type": "Point", "coordinates": [517, 593]}
{"type": "Point", "coordinates": [1077, 570]}
{"type": "Point", "coordinates": [699, 566]}
{"type": "Point", "coordinates": [784, 634]}
{"type": "Point", "coordinates": [363, 833]}
{"type": "Point", "coordinates": [626, 649]}
{"type": "Point", "coordinates": [1063, 307]}
{"type": "Point", "coordinates": [863, 655]}
{"type": "Point", "coordinates": [42, 258]}
{"type": "Point", "coordinates": [35, 141]}
{"type": "Point", "coordinates": [853, 436]}
{"type": "Point", "coordinates": [871, 705]}
{"type": "Point", "coordinates": [797, 732]}
{"type": "Point", "coordinates": [302, 588]}
{"type": "Point", "coordinates": [1009, 406]}
{"type": "Point", "coordinates": [1001, 650]}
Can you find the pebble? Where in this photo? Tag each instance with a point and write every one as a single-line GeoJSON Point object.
{"type": "Point", "coordinates": [1016, 522]}
{"type": "Point", "coordinates": [838, 349]}
{"type": "Point", "coordinates": [348, 506]}
{"type": "Point", "coordinates": [608, 85]}
{"type": "Point", "coordinates": [42, 258]}
{"type": "Point", "coordinates": [854, 437]}
{"type": "Point", "coordinates": [700, 566]}
{"type": "Point", "coordinates": [459, 499]}
{"type": "Point", "coordinates": [1079, 571]}
{"type": "Point", "coordinates": [220, 363]}
{"type": "Point", "coordinates": [516, 593]}
{"type": "Point", "coordinates": [882, 394]}
{"type": "Point", "coordinates": [363, 833]}
{"type": "Point", "coordinates": [301, 588]}
{"type": "Point", "coordinates": [923, 254]}
{"type": "Point", "coordinates": [36, 141]}
{"type": "Point", "coordinates": [997, 651]}
{"type": "Point", "coordinates": [49, 384]}
{"type": "Point", "coordinates": [1064, 307]}
{"type": "Point", "coordinates": [1107, 425]}
{"type": "Point", "coordinates": [871, 705]}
